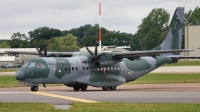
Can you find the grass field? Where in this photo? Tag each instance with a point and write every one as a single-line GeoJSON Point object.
{"type": "Point", "coordinates": [151, 78]}
{"type": "Point", "coordinates": [161, 78]}
{"type": "Point", "coordinates": [102, 107]}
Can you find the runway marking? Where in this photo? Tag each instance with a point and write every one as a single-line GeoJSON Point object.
{"type": "Point", "coordinates": [65, 97]}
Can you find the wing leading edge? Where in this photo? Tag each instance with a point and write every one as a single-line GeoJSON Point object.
{"type": "Point", "coordinates": [137, 54]}
{"type": "Point", "coordinates": [49, 54]}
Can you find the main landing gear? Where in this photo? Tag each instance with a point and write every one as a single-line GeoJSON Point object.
{"type": "Point", "coordinates": [34, 88]}
{"type": "Point", "coordinates": [78, 87]}
{"type": "Point", "coordinates": [106, 88]}
{"type": "Point", "coordinates": [84, 88]}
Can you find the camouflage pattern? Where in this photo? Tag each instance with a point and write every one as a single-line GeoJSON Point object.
{"type": "Point", "coordinates": [80, 69]}
{"type": "Point", "coordinates": [73, 70]}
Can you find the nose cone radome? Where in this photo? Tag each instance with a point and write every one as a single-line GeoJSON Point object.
{"type": "Point", "coordinates": [19, 75]}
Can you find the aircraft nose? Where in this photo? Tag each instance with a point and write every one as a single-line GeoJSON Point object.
{"type": "Point", "coordinates": [19, 75]}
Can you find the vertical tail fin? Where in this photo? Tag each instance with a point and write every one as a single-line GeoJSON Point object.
{"type": "Point", "coordinates": [173, 37]}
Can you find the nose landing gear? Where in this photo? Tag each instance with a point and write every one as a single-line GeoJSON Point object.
{"type": "Point", "coordinates": [34, 88]}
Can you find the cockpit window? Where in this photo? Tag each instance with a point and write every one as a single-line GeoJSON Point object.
{"type": "Point", "coordinates": [32, 64]}
{"type": "Point", "coordinates": [26, 64]}
{"type": "Point", "coordinates": [39, 65]}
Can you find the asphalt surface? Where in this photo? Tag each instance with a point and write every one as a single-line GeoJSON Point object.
{"type": "Point", "coordinates": [139, 93]}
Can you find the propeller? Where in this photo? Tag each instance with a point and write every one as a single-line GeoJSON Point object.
{"type": "Point", "coordinates": [95, 57]}
{"type": "Point", "coordinates": [45, 50]}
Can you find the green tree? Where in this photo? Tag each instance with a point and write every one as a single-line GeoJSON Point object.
{"type": "Point", "coordinates": [19, 36]}
{"type": "Point", "coordinates": [25, 44]}
{"type": "Point", "coordinates": [192, 17]}
{"type": "Point", "coordinates": [19, 40]}
{"type": "Point", "coordinates": [135, 45]}
{"type": "Point", "coordinates": [61, 44]}
{"type": "Point", "coordinates": [44, 33]}
{"type": "Point", "coordinates": [4, 45]}
{"type": "Point", "coordinates": [153, 28]}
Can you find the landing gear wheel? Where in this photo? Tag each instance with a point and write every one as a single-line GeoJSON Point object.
{"type": "Point", "coordinates": [105, 88]}
{"type": "Point", "coordinates": [34, 88]}
{"type": "Point", "coordinates": [83, 88]}
{"type": "Point", "coordinates": [113, 87]}
{"type": "Point", "coordinates": [76, 88]}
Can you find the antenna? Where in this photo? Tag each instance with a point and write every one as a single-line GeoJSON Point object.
{"type": "Point", "coordinates": [100, 32]}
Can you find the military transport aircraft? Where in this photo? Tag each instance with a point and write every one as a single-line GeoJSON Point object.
{"type": "Point", "coordinates": [102, 69]}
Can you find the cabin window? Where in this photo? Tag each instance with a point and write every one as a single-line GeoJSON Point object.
{"type": "Point", "coordinates": [83, 68]}
{"type": "Point", "coordinates": [86, 68]}
{"type": "Point", "coordinates": [111, 68]}
{"type": "Point", "coordinates": [42, 65]}
{"type": "Point", "coordinates": [65, 68]}
{"type": "Point", "coordinates": [69, 69]}
{"type": "Point", "coordinates": [39, 65]}
{"type": "Point", "coordinates": [72, 68]}
{"type": "Point", "coordinates": [118, 68]}
{"type": "Point", "coordinates": [108, 68]}
{"type": "Point", "coordinates": [76, 68]}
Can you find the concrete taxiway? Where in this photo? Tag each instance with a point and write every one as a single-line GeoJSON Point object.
{"type": "Point", "coordinates": [139, 93]}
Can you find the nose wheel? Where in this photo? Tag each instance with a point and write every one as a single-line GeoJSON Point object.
{"type": "Point", "coordinates": [34, 88]}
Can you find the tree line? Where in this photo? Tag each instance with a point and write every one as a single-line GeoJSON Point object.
{"type": "Point", "coordinates": [150, 33]}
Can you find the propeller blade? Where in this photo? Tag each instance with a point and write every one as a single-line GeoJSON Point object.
{"type": "Point", "coordinates": [41, 54]}
{"type": "Point", "coordinates": [45, 51]}
{"type": "Point", "coordinates": [45, 48]}
{"type": "Point", "coordinates": [96, 47]}
{"type": "Point", "coordinates": [89, 50]}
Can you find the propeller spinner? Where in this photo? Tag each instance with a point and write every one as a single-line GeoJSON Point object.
{"type": "Point", "coordinates": [95, 57]}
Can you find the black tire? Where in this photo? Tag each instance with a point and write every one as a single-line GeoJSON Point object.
{"type": "Point", "coordinates": [113, 87]}
{"type": "Point", "coordinates": [76, 88]}
{"type": "Point", "coordinates": [34, 88]}
{"type": "Point", "coordinates": [105, 88]}
{"type": "Point", "coordinates": [83, 88]}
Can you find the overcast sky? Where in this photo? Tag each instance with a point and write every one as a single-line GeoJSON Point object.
{"type": "Point", "coordinates": [119, 15]}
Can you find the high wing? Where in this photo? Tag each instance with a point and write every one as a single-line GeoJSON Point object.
{"type": "Point", "coordinates": [137, 54]}
{"type": "Point", "coordinates": [49, 54]}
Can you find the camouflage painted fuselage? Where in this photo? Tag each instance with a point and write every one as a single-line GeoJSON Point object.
{"type": "Point", "coordinates": [78, 70]}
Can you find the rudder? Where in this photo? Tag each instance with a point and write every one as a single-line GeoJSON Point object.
{"type": "Point", "coordinates": [173, 37]}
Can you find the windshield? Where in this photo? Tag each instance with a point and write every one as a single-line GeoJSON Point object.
{"type": "Point", "coordinates": [32, 64]}
{"type": "Point", "coordinates": [26, 64]}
